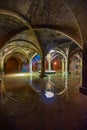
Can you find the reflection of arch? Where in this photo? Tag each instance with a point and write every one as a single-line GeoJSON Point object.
{"type": "Point", "coordinates": [51, 88]}
{"type": "Point", "coordinates": [18, 106]}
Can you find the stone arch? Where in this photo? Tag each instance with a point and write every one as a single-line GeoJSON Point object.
{"type": "Point", "coordinates": [12, 50]}
{"type": "Point", "coordinates": [21, 19]}
{"type": "Point", "coordinates": [76, 21]}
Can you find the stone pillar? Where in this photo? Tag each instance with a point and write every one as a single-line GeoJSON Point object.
{"type": "Point", "coordinates": [63, 68]}
{"type": "Point", "coordinates": [30, 66]}
{"type": "Point", "coordinates": [42, 74]}
{"type": "Point", "coordinates": [2, 89]}
{"type": "Point", "coordinates": [81, 66]}
{"type": "Point", "coordinates": [66, 66]}
{"type": "Point", "coordinates": [83, 88]}
{"type": "Point", "coordinates": [67, 60]}
{"type": "Point", "coordinates": [80, 71]}
{"type": "Point", "coordinates": [2, 65]}
{"type": "Point", "coordinates": [49, 65]}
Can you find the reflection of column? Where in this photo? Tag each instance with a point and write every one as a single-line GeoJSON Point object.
{"type": "Point", "coordinates": [49, 77]}
{"type": "Point", "coordinates": [49, 85]}
{"type": "Point", "coordinates": [30, 66]}
{"type": "Point", "coordinates": [66, 81]}
{"type": "Point", "coordinates": [30, 78]}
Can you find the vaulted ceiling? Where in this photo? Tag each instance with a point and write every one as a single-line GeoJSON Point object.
{"type": "Point", "coordinates": [44, 23]}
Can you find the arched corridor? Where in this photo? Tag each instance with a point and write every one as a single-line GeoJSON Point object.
{"type": "Point", "coordinates": [43, 66]}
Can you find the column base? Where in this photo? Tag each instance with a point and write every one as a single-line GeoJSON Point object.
{"type": "Point", "coordinates": [30, 71]}
{"type": "Point", "coordinates": [42, 76]}
{"type": "Point", "coordinates": [83, 90]}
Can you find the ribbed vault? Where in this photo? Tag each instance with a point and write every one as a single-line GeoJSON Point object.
{"type": "Point", "coordinates": [60, 15]}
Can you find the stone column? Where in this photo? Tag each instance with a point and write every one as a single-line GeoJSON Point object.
{"type": "Point", "coordinates": [30, 66]}
{"type": "Point", "coordinates": [42, 74]}
{"type": "Point", "coordinates": [49, 65]}
{"type": "Point", "coordinates": [2, 65]}
{"type": "Point", "coordinates": [66, 66]}
{"type": "Point", "coordinates": [67, 60]}
{"type": "Point", "coordinates": [63, 68]}
{"type": "Point", "coordinates": [49, 61]}
{"type": "Point", "coordinates": [83, 88]}
{"type": "Point", "coordinates": [81, 66]}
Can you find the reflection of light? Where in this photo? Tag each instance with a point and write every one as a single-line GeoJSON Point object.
{"type": "Point", "coordinates": [49, 94]}
{"type": "Point", "coordinates": [19, 74]}
{"type": "Point", "coordinates": [62, 92]}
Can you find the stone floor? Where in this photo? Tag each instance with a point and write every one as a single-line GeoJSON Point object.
{"type": "Point", "coordinates": [25, 105]}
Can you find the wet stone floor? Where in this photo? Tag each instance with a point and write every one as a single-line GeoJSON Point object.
{"type": "Point", "coordinates": [53, 103]}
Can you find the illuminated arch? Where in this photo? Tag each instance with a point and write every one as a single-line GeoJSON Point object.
{"type": "Point", "coordinates": [21, 19]}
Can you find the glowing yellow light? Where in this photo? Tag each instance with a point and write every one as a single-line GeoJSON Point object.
{"type": "Point", "coordinates": [20, 74]}
{"type": "Point", "coordinates": [55, 63]}
{"type": "Point", "coordinates": [16, 75]}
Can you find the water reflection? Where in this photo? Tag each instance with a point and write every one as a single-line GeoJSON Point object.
{"type": "Point", "coordinates": [52, 89]}
{"type": "Point", "coordinates": [22, 95]}
{"type": "Point", "coordinates": [51, 86]}
{"type": "Point", "coordinates": [30, 78]}
{"type": "Point", "coordinates": [17, 98]}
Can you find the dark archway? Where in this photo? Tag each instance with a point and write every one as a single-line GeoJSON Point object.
{"type": "Point", "coordinates": [12, 65]}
